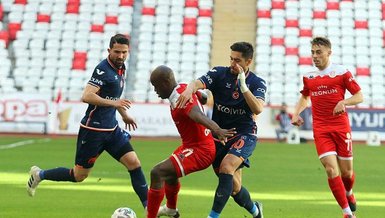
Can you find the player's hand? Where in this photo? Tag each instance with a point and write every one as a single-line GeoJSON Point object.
{"type": "Point", "coordinates": [223, 134]}
{"type": "Point", "coordinates": [242, 79]}
{"type": "Point", "coordinates": [184, 97]}
{"type": "Point", "coordinates": [339, 108]}
{"type": "Point", "coordinates": [297, 120]}
{"type": "Point", "coordinates": [122, 104]}
{"type": "Point", "coordinates": [130, 123]}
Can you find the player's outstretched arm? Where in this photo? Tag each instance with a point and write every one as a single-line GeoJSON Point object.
{"type": "Point", "coordinates": [301, 105]}
{"type": "Point", "coordinates": [222, 134]}
{"type": "Point", "coordinates": [90, 96]}
{"type": "Point", "coordinates": [185, 96]}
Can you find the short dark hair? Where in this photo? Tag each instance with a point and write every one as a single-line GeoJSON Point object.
{"type": "Point", "coordinates": [245, 48]}
{"type": "Point", "coordinates": [321, 41]}
{"type": "Point", "coordinates": [120, 39]}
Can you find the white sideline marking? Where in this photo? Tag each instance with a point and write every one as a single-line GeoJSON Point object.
{"type": "Point", "coordinates": [25, 142]}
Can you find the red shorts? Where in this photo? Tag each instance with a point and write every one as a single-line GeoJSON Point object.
{"type": "Point", "coordinates": [334, 143]}
{"type": "Point", "coordinates": [189, 159]}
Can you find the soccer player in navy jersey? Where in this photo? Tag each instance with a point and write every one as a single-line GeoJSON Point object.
{"type": "Point", "coordinates": [99, 130]}
{"type": "Point", "coordinates": [196, 153]}
{"type": "Point", "coordinates": [239, 96]}
{"type": "Point", "coordinates": [326, 89]}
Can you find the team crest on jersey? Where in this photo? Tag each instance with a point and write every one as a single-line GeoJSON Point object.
{"type": "Point", "coordinates": [235, 95]}
{"type": "Point", "coordinates": [332, 74]}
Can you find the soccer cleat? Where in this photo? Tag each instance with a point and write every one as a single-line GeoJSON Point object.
{"type": "Point", "coordinates": [165, 211]}
{"type": "Point", "coordinates": [349, 216]}
{"type": "Point", "coordinates": [352, 202]}
{"type": "Point", "coordinates": [33, 181]}
{"type": "Point", "coordinates": [260, 208]}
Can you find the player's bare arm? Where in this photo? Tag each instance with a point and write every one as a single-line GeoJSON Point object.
{"type": "Point", "coordinates": [301, 105]}
{"type": "Point", "coordinates": [90, 96]}
{"type": "Point", "coordinates": [222, 134]}
{"type": "Point", "coordinates": [185, 96]}
{"type": "Point", "coordinates": [129, 121]}
{"type": "Point", "coordinates": [353, 100]}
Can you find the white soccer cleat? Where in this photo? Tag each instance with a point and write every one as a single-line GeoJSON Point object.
{"type": "Point", "coordinates": [33, 181]}
{"type": "Point", "coordinates": [165, 211]}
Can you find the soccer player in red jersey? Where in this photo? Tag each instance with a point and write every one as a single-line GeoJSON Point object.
{"type": "Point", "coordinates": [326, 89]}
{"type": "Point", "coordinates": [197, 151]}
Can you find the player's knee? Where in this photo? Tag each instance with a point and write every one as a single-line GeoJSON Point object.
{"type": "Point", "coordinates": [156, 172]}
{"type": "Point", "coordinates": [346, 173]}
{"type": "Point", "coordinates": [331, 171]}
{"type": "Point", "coordinates": [80, 177]}
{"type": "Point", "coordinates": [226, 168]}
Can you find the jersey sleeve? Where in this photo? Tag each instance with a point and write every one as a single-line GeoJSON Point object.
{"type": "Point", "coordinates": [351, 83]}
{"type": "Point", "coordinates": [305, 90]}
{"type": "Point", "coordinates": [260, 89]}
{"type": "Point", "coordinates": [98, 78]}
{"type": "Point", "coordinates": [209, 78]}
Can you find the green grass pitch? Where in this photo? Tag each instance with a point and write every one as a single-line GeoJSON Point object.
{"type": "Point", "coordinates": [288, 179]}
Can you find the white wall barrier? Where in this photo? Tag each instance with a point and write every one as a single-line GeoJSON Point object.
{"type": "Point", "coordinates": [23, 112]}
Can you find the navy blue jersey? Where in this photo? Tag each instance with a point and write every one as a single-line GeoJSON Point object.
{"type": "Point", "coordinates": [230, 108]}
{"type": "Point", "coordinates": [111, 82]}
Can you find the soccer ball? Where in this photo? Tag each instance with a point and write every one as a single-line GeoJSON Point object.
{"type": "Point", "coordinates": [123, 212]}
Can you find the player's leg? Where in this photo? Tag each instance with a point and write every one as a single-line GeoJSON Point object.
{"type": "Point", "coordinates": [345, 161]}
{"type": "Point", "coordinates": [88, 149]}
{"type": "Point", "coordinates": [327, 153]}
{"type": "Point", "coordinates": [164, 171]}
{"type": "Point", "coordinates": [120, 148]}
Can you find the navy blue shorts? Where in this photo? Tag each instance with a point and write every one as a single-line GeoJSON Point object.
{"type": "Point", "coordinates": [91, 144]}
{"type": "Point", "coordinates": [241, 146]}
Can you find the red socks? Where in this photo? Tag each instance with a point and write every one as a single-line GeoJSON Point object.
{"type": "Point", "coordinates": [348, 182]}
{"type": "Point", "coordinates": [155, 197]}
{"type": "Point", "coordinates": [337, 187]}
{"type": "Point", "coordinates": [172, 195]}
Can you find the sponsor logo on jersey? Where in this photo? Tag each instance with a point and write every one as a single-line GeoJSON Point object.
{"type": "Point", "coordinates": [263, 82]}
{"type": "Point", "coordinates": [96, 81]}
{"type": "Point", "coordinates": [111, 98]}
{"type": "Point", "coordinates": [230, 110]}
{"type": "Point", "coordinates": [99, 72]}
{"type": "Point", "coordinates": [324, 92]}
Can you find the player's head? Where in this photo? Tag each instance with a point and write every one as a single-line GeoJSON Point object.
{"type": "Point", "coordinates": [118, 49]}
{"type": "Point", "coordinates": [321, 51]}
{"type": "Point", "coordinates": [163, 80]}
{"type": "Point", "coordinates": [283, 108]}
{"type": "Point", "coordinates": [242, 54]}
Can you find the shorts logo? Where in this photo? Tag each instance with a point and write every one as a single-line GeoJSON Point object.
{"type": "Point", "coordinates": [238, 145]}
{"type": "Point", "coordinates": [92, 160]}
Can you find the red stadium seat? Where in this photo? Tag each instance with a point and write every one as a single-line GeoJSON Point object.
{"type": "Point", "coordinates": [189, 21]}
{"type": "Point", "coordinates": [97, 28]}
{"type": "Point", "coordinates": [291, 23]}
{"type": "Point", "coordinates": [79, 64]}
{"type": "Point", "coordinates": [333, 5]}
{"type": "Point", "coordinates": [361, 24]}
{"type": "Point", "coordinates": [80, 55]}
{"type": "Point", "coordinates": [305, 61]}
{"type": "Point", "coordinates": [278, 4]}
{"type": "Point", "coordinates": [263, 14]}
{"type": "Point", "coordinates": [72, 8]}
{"type": "Point", "coordinates": [1, 12]}
{"type": "Point", "coordinates": [126, 2]}
{"type": "Point", "coordinates": [319, 14]}
{"type": "Point", "coordinates": [111, 19]}
{"type": "Point", "coordinates": [277, 41]}
{"type": "Point", "coordinates": [305, 33]}
{"type": "Point", "coordinates": [362, 71]}
{"type": "Point", "coordinates": [13, 28]}
{"type": "Point", "coordinates": [4, 36]}
{"type": "Point", "coordinates": [191, 3]}
{"type": "Point", "coordinates": [44, 18]}
{"type": "Point", "coordinates": [205, 13]}
{"type": "Point", "coordinates": [21, 2]}
{"type": "Point", "coordinates": [148, 11]}
{"type": "Point", "coordinates": [189, 29]}
{"type": "Point", "coordinates": [291, 51]}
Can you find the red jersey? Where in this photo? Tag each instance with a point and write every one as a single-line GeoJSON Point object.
{"type": "Point", "coordinates": [191, 132]}
{"type": "Point", "coordinates": [326, 88]}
